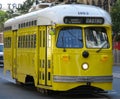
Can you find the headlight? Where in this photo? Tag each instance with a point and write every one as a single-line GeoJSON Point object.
{"type": "Point", "coordinates": [85, 66]}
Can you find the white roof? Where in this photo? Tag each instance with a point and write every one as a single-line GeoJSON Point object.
{"type": "Point", "coordinates": [56, 14]}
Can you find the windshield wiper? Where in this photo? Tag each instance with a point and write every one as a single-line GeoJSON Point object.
{"type": "Point", "coordinates": [101, 47]}
{"type": "Point", "coordinates": [64, 49]}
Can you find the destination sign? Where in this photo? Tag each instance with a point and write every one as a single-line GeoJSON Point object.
{"type": "Point", "coordinates": [83, 20]}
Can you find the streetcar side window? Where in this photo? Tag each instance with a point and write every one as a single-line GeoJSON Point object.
{"type": "Point", "coordinates": [70, 37]}
{"type": "Point", "coordinates": [7, 42]}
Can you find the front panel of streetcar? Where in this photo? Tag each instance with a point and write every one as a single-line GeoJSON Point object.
{"type": "Point", "coordinates": [82, 55]}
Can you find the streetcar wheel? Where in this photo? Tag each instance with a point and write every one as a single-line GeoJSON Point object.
{"type": "Point", "coordinates": [44, 91]}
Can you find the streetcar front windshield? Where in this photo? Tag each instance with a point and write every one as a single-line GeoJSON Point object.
{"type": "Point", "coordinates": [70, 37]}
{"type": "Point", "coordinates": [96, 37]}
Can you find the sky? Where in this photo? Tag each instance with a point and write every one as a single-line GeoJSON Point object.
{"type": "Point", "coordinates": [6, 4]}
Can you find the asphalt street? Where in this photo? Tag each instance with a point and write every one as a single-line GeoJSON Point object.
{"type": "Point", "coordinates": [10, 90]}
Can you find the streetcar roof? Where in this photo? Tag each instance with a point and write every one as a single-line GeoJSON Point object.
{"type": "Point", "coordinates": [56, 14]}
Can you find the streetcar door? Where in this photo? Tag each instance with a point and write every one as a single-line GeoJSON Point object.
{"type": "Point", "coordinates": [14, 54]}
{"type": "Point", "coordinates": [42, 56]}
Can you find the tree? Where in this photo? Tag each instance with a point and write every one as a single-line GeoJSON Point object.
{"type": "Point", "coordinates": [22, 10]}
{"type": "Point", "coordinates": [3, 18]}
{"type": "Point", "coordinates": [10, 13]}
{"type": "Point", "coordinates": [26, 6]}
{"type": "Point", "coordinates": [115, 14]}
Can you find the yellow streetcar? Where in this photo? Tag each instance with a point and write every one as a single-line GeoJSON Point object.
{"type": "Point", "coordinates": [60, 48]}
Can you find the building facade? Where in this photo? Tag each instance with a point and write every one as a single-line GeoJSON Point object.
{"type": "Point", "coordinates": [105, 4]}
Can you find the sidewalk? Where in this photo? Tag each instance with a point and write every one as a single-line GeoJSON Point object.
{"type": "Point", "coordinates": [116, 71]}
{"type": "Point", "coordinates": [7, 76]}
{"type": "Point", "coordinates": [116, 54]}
